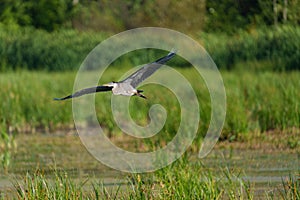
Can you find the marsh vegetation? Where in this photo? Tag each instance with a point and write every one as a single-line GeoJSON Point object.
{"type": "Point", "coordinates": [255, 44]}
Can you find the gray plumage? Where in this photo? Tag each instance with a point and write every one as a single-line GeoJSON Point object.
{"type": "Point", "coordinates": [127, 86]}
{"type": "Point", "coordinates": [147, 70]}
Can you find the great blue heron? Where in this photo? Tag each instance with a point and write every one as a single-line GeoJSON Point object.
{"type": "Point", "coordinates": [126, 87]}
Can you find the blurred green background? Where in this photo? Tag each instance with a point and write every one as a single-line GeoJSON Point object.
{"type": "Point", "coordinates": [57, 35]}
{"type": "Point", "coordinates": [255, 44]}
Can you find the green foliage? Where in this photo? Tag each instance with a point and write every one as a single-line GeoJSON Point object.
{"type": "Point", "coordinates": [291, 188]}
{"type": "Point", "coordinates": [118, 15]}
{"type": "Point", "coordinates": [186, 180]}
{"type": "Point", "coordinates": [14, 12]}
{"type": "Point", "coordinates": [47, 15]}
{"type": "Point", "coordinates": [27, 101]}
{"type": "Point", "coordinates": [7, 147]}
{"type": "Point", "coordinates": [273, 14]}
{"type": "Point", "coordinates": [261, 101]}
{"type": "Point", "coordinates": [66, 49]}
{"type": "Point", "coordinates": [37, 49]}
{"type": "Point", "coordinates": [277, 46]}
{"type": "Point", "coordinates": [181, 180]}
{"type": "Point", "coordinates": [229, 16]}
{"type": "Point", "coordinates": [112, 15]}
{"type": "Point", "coordinates": [37, 186]}
{"type": "Point", "coordinates": [256, 101]}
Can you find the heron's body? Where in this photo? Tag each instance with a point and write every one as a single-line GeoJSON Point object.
{"type": "Point", "coordinates": [123, 89]}
{"type": "Point", "coordinates": [126, 87]}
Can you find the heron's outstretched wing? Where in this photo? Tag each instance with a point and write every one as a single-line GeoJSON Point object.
{"type": "Point", "coordinates": [100, 88]}
{"type": "Point", "coordinates": [147, 70]}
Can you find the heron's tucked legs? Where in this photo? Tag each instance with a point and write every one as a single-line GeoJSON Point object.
{"type": "Point", "coordinates": [139, 94]}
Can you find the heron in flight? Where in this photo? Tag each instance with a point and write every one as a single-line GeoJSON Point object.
{"type": "Point", "coordinates": [126, 87]}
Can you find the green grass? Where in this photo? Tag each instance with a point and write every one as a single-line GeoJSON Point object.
{"type": "Point", "coordinates": [27, 101]}
{"type": "Point", "coordinates": [291, 188]}
{"type": "Point", "coordinates": [58, 165]}
{"type": "Point", "coordinates": [255, 102]}
{"type": "Point", "coordinates": [7, 148]}
{"type": "Point", "coordinates": [181, 180]}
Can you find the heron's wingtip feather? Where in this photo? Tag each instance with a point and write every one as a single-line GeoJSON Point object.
{"type": "Point", "coordinates": [173, 51]}
{"type": "Point", "coordinates": [64, 98]}
{"type": "Point", "coordinates": [58, 99]}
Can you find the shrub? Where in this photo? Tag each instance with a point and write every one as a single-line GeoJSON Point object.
{"type": "Point", "coordinates": [39, 50]}
{"type": "Point", "coordinates": [278, 46]}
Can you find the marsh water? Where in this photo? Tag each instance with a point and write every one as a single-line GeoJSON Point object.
{"type": "Point", "coordinates": [263, 168]}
